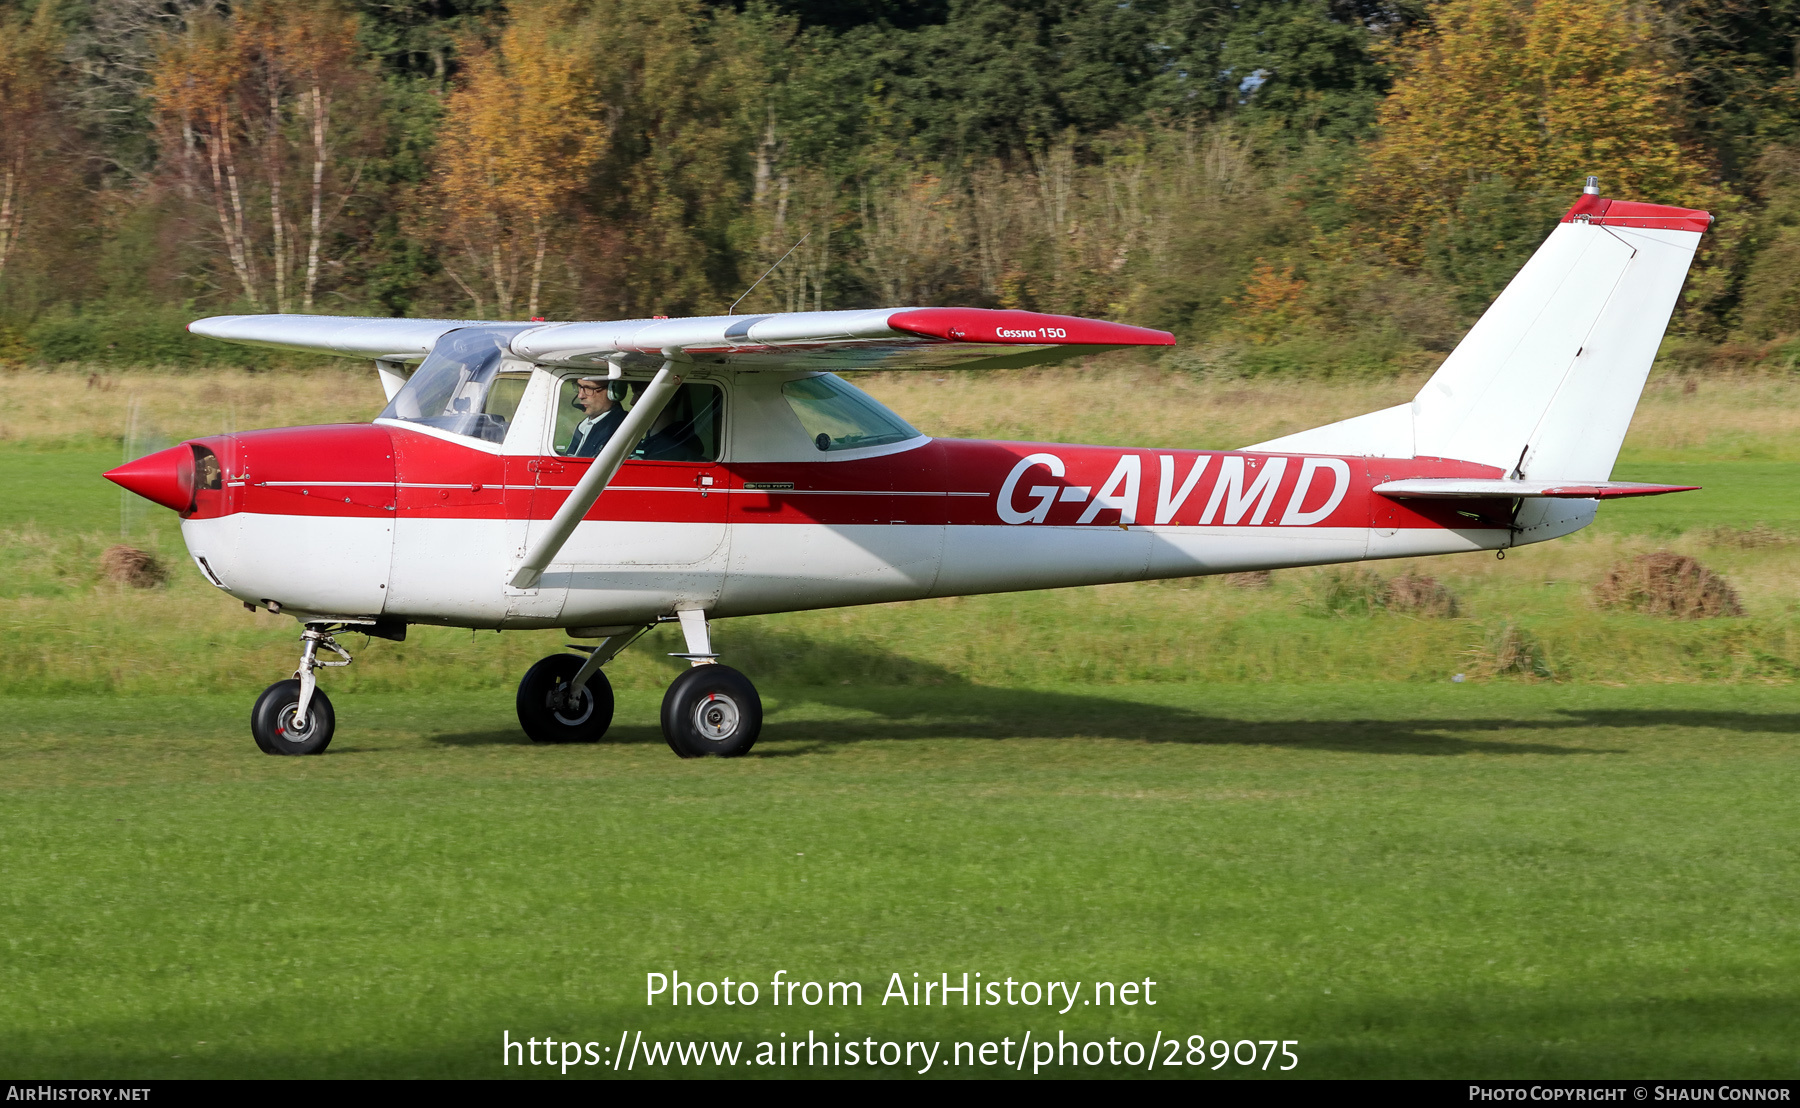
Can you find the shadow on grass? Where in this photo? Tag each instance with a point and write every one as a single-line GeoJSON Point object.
{"type": "Point", "coordinates": [889, 714]}
{"type": "Point", "coordinates": [899, 698]}
{"type": "Point", "coordinates": [1503, 1034]}
{"type": "Point", "coordinates": [1747, 722]}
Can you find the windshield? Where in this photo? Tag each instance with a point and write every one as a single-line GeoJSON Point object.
{"type": "Point", "coordinates": [838, 416]}
{"type": "Point", "coordinates": [459, 387]}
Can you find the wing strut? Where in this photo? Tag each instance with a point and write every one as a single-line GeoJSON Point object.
{"type": "Point", "coordinates": [587, 490]}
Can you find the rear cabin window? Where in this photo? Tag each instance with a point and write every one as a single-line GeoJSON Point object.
{"type": "Point", "coordinates": [589, 411]}
{"type": "Point", "coordinates": [838, 416]}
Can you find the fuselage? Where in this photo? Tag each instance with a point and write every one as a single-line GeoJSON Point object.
{"type": "Point", "coordinates": [422, 525]}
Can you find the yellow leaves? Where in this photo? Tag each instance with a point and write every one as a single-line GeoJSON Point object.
{"type": "Point", "coordinates": [527, 126]}
{"type": "Point", "coordinates": [195, 71]}
{"type": "Point", "coordinates": [28, 51]}
{"type": "Point", "coordinates": [1270, 303]}
{"type": "Point", "coordinates": [521, 138]}
{"type": "Point", "coordinates": [301, 40]}
{"type": "Point", "coordinates": [1539, 92]}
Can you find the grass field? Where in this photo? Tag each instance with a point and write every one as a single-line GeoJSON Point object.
{"type": "Point", "coordinates": [1291, 820]}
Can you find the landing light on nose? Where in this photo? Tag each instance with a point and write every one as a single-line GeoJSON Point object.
{"type": "Point", "coordinates": [165, 477]}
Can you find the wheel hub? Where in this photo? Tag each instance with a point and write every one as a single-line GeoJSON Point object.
{"type": "Point", "coordinates": [571, 711]}
{"type": "Point", "coordinates": [290, 728]}
{"type": "Point", "coordinates": [717, 717]}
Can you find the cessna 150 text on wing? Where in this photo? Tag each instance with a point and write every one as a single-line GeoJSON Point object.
{"type": "Point", "coordinates": [604, 477]}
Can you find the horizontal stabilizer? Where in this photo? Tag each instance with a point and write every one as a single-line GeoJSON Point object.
{"type": "Point", "coordinates": [1464, 488]}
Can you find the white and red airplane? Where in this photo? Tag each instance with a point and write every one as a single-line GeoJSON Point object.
{"type": "Point", "coordinates": [606, 477]}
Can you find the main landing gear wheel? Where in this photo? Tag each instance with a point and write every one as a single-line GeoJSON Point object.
{"type": "Point", "coordinates": [711, 710]}
{"type": "Point", "coordinates": [273, 725]}
{"type": "Point", "coordinates": [549, 716]}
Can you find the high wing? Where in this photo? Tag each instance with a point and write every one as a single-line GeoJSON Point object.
{"type": "Point", "coordinates": [882, 338]}
{"type": "Point", "coordinates": [397, 340]}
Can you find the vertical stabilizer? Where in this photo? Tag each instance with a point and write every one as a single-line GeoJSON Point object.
{"type": "Point", "coordinates": [1543, 386]}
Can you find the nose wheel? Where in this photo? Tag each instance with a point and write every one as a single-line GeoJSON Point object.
{"type": "Point", "coordinates": [295, 716]}
{"type": "Point", "coordinates": [711, 710]}
{"type": "Point", "coordinates": [278, 727]}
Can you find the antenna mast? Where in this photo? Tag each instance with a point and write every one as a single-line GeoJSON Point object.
{"type": "Point", "coordinates": [764, 277]}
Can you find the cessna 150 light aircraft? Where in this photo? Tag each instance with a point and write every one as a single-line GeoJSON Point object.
{"type": "Point", "coordinates": [605, 477]}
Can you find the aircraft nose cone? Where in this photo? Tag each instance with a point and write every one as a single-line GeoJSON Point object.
{"type": "Point", "coordinates": [165, 477]}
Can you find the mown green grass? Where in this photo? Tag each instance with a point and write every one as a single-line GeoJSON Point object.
{"type": "Point", "coordinates": [62, 490]}
{"type": "Point", "coordinates": [1464, 881]}
{"type": "Point", "coordinates": [1732, 494]}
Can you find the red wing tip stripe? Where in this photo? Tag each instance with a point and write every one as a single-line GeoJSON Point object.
{"type": "Point", "coordinates": [1620, 493]}
{"type": "Point", "coordinates": [1632, 213]}
{"type": "Point", "coordinates": [1015, 328]}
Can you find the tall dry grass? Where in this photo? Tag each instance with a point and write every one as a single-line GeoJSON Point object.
{"type": "Point", "coordinates": [67, 629]}
{"type": "Point", "coordinates": [1111, 401]}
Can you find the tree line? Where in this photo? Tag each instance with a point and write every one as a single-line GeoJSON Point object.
{"type": "Point", "coordinates": [1290, 185]}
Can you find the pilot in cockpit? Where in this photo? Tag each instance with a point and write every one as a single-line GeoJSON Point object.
{"type": "Point", "coordinates": [604, 414]}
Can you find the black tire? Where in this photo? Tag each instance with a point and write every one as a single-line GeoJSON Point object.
{"type": "Point", "coordinates": [272, 720]}
{"type": "Point", "coordinates": [548, 724]}
{"type": "Point", "coordinates": [711, 711]}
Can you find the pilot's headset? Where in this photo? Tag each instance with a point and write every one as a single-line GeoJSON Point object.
{"type": "Point", "coordinates": [615, 391]}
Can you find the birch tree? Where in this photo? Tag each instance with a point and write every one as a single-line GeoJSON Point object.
{"type": "Point", "coordinates": [250, 109]}
{"type": "Point", "coordinates": [195, 88]}
{"type": "Point", "coordinates": [521, 136]}
{"type": "Point", "coordinates": [28, 50]}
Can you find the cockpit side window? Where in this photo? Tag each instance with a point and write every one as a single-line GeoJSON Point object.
{"type": "Point", "coordinates": [459, 387]}
{"type": "Point", "coordinates": [589, 410]}
{"type": "Point", "coordinates": [839, 416]}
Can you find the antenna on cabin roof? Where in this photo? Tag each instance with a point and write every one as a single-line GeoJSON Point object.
{"type": "Point", "coordinates": [771, 269]}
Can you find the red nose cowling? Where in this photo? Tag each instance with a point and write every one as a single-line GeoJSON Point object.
{"type": "Point", "coordinates": [165, 477]}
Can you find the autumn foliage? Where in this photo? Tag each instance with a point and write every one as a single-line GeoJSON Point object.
{"type": "Point", "coordinates": [1540, 93]}
{"type": "Point", "coordinates": [30, 125]}
{"type": "Point", "coordinates": [245, 107]}
{"type": "Point", "coordinates": [522, 136]}
{"type": "Point", "coordinates": [1292, 188]}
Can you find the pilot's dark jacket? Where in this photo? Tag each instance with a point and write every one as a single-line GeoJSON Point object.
{"type": "Point", "coordinates": [588, 445]}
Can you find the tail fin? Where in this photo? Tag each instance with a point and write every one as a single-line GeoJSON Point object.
{"type": "Point", "coordinates": [1543, 386]}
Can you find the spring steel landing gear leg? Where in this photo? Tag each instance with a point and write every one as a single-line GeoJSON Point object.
{"type": "Point", "coordinates": [711, 710]}
{"type": "Point", "coordinates": [295, 716]}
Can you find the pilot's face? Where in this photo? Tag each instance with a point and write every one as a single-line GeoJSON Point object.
{"type": "Point", "coordinates": [592, 399]}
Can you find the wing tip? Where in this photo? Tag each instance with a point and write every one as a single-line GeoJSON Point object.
{"type": "Point", "coordinates": [1592, 208]}
{"type": "Point", "coordinates": [1011, 327]}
